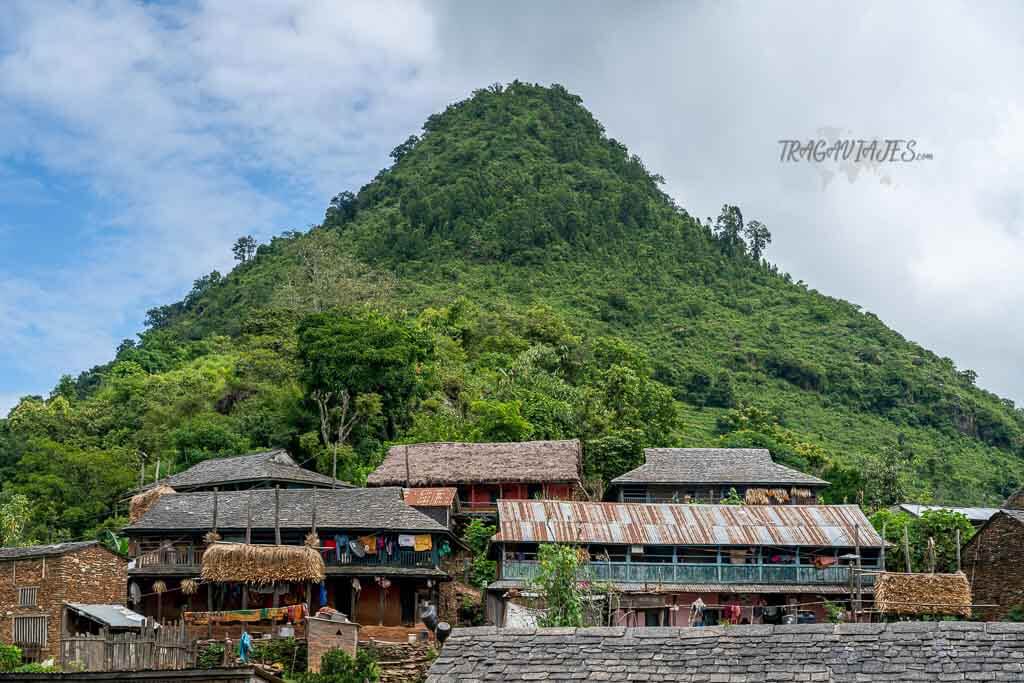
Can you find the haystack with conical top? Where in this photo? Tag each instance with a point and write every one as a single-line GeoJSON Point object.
{"type": "Point", "coordinates": [261, 564]}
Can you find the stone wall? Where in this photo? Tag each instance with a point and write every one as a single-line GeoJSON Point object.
{"type": "Point", "coordinates": [841, 653]}
{"type": "Point", "coordinates": [993, 560]}
{"type": "Point", "coordinates": [89, 575]}
{"type": "Point", "coordinates": [1015, 502]}
{"type": "Point", "coordinates": [401, 662]}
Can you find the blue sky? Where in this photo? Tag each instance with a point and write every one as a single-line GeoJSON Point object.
{"type": "Point", "coordinates": [140, 139]}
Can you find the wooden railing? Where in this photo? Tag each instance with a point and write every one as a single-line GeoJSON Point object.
{"type": "Point", "coordinates": [668, 572]}
{"type": "Point", "coordinates": [400, 558]}
{"type": "Point", "coordinates": [170, 557]}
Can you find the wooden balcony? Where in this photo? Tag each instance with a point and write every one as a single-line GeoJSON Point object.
{"type": "Point", "coordinates": [407, 559]}
{"type": "Point", "coordinates": [169, 560]}
{"type": "Point", "coordinates": [696, 573]}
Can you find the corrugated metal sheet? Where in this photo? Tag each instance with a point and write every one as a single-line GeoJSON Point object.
{"type": "Point", "coordinates": [541, 521]}
{"type": "Point", "coordinates": [114, 616]}
{"type": "Point", "coordinates": [430, 497]}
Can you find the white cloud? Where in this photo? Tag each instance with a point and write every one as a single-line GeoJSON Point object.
{"type": "Point", "coordinates": [191, 126]}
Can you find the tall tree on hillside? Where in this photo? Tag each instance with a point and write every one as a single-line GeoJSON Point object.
{"type": "Point", "coordinates": [729, 230]}
{"type": "Point", "coordinates": [244, 249]}
{"type": "Point", "coordinates": [359, 366]}
{"type": "Point", "coordinates": [328, 277]}
{"type": "Point", "coordinates": [758, 238]}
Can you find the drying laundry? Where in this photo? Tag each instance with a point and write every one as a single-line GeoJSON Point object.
{"type": "Point", "coordinates": [423, 542]}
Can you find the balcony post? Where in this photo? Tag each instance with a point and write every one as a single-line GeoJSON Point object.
{"type": "Point", "coordinates": [718, 563]}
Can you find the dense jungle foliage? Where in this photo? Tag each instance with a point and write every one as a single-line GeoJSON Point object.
{"type": "Point", "coordinates": [515, 274]}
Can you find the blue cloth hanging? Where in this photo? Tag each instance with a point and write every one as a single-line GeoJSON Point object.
{"type": "Point", "coordinates": [323, 593]}
{"type": "Point", "coordinates": [244, 647]}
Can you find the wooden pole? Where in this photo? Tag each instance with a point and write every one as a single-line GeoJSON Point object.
{"type": "Point", "coordinates": [156, 478]}
{"type": "Point", "coordinates": [277, 540]}
{"type": "Point", "coordinates": [884, 543]}
{"type": "Point", "coordinates": [309, 584]}
{"type": "Point", "coordinates": [958, 549]}
{"type": "Point", "coordinates": [215, 504]}
{"type": "Point", "coordinates": [408, 475]}
{"type": "Point", "coordinates": [906, 548]}
{"type": "Point", "coordinates": [860, 574]}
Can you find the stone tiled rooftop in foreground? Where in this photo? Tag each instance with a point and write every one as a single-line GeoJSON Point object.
{"type": "Point", "coordinates": [845, 653]}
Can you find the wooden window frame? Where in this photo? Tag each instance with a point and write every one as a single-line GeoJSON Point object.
{"type": "Point", "coordinates": [28, 590]}
{"type": "Point", "coordinates": [45, 629]}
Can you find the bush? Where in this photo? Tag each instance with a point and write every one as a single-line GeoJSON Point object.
{"type": "Point", "coordinates": [210, 656]}
{"type": "Point", "coordinates": [34, 668]}
{"type": "Point", "coordinates": [337, 666]}
{"type": "Point", "coordinates": [10, 657]}
{"type": "Point", "coordinates": [291, 654]}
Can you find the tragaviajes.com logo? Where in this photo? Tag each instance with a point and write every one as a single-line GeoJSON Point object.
{"type": "Point", "coordinates": [851, 155]}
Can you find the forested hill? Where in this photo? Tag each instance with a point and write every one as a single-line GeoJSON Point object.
{"type": "Point", "coordinates": [515, 274]}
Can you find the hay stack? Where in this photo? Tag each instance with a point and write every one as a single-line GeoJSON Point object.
{"type": "Point", "coordinates": [919, 594]}
{"type": "Point", "coordinates": [141, 503]}
{"type": "Point", "coordinates": [261, 564]}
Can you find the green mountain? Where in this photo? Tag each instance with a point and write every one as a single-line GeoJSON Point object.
{"type": "Point", "coordinates": [515, 274]}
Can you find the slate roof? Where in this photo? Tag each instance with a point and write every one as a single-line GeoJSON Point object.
{"type": "Point", "coordinates": [682, 524]}
{"type": "Point", "coordinates": [33, 551]}
{"type": "Point", "coordinates": [975, 515]}
{"type": "Point", "coordinates": [841, 653]}
{"type": "Point", "coordinates": [276, 465]}
{"type": "Point", "coordinates": [357, 509]}
{"type": "Point", "coordinates": [450, 464]}
{"type": "Point", "coordinates": [113, 616]}
{"type": "Point", "coordinates": [714, 466]}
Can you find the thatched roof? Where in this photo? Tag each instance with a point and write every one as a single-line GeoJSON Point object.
{"type": "Point", "coordinates": [752, 466]}
{"type": "Point", "coordinates": [946, 594]}
{"type": "Point", "coordinates": [451, 464]}
{"type": "Point", "coordinates": [260, 564]}
{"type": "Point", "coordinates": [368, 510]}
{"type": "Point", "coordinates": [275, 466]}
{"type": "Point", "coordinates": [141, 503]}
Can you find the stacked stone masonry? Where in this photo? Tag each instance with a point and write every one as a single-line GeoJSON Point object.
{"type": "Point", "coordinates": [90, 574]}
{"type": "Point", "coordinates": [995, 564]}
{"type": "Point", "coordinates": [844, 653]}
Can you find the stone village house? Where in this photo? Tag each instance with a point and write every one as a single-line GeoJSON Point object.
{"type": "Point", "coordinates": [37, 581]}
{"type": "Point", "coordinates": [994, 563]}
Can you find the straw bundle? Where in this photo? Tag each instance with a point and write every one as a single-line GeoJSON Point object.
{"type": "Point", "coordinates": [189, 586]}
{"type": "Point", "coordinates": [211, 537]}
{"type": "Point", "coordinates": [261, 564]}
{"type": "Point", "coordinates": [159, 587]}
{"type": "Point", "coordinates": [141, 503]}
{"type": "Point", "coordinates": [765, 496]}
{"type": "Point", "coordinates": [312, 540]}
{"type": "Point", "coordinates": [945, 594]}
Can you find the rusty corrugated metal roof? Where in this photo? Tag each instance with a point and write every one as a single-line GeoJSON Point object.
{"type": "Point", "coordinates": [539, 521]}
{"type": "Point", "coordinates": [430, 497]}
